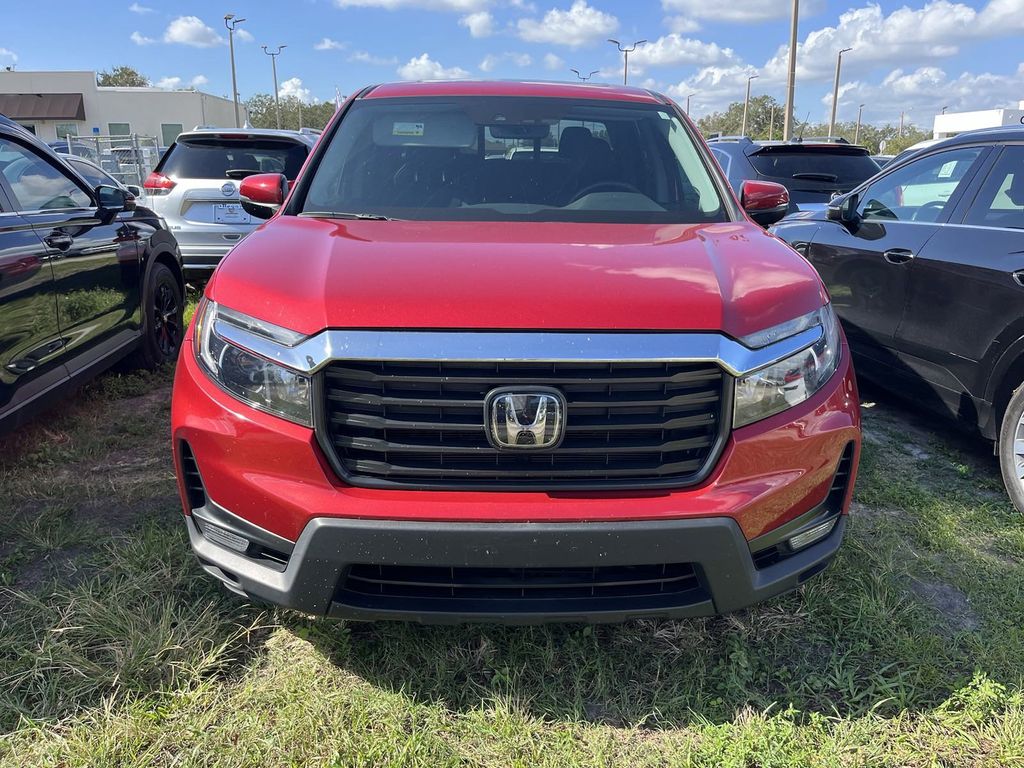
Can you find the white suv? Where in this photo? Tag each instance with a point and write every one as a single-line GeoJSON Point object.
{"type": "Point", "coordinates": [195, 186]}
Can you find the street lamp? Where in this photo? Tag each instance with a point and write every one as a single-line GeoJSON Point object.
{"type": "Point", "coordinates": [835, 92]}
{"type": "Point", "coordinates": [856, 134]}
{"type": "Point", "coordinates": [230, 22]}
{"type": "Point", "coordinates": [787, 125]}
{"type": "Point", "coordinates": [581, 77]}
{"type": "Point", "coordinates": [746, 104]}
{"type": "Point", "coordinates": [944, 110]}
{"type": "Point", "coordinates": [273, 63]}
{"type": "Point", "coordinates": [626, 52]}
{"type": "Point", "coordinates": [688, 97]}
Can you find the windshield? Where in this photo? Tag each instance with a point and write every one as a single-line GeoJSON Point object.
{"type": "Point", "coordinates": [215, 157]}
{"type": "Point", "coordinates": [513, 159]}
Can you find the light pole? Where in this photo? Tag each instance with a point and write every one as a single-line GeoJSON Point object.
{"type": "Point", "coordinates": [626, 52]}
{"type": "Point", "coordinates": [688, 97]}
{"type": "Point", "coordinates": [835, 92]}
{"type": "Point", "coordinates": [944, 110]}
{"type": "Point", "coordinates": [581, 77]}
{"type": "Point", "coordinates": [746, 104]}
{"type": "Point", "coordinates": [787, 125]}
{"type": "Point", "coordinates": [856, 134]}
{"type": "Point", "coordinates": [230, 22]}
{"type": "Point", "coordinates": [771, 125]}
{"type": "Point", "coordinates": [273, 63]}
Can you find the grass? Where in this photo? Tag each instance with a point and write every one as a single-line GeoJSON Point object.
{"type": "Point", "coordinates": [115, 648]}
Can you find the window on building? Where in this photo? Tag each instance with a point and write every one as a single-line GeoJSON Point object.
{"type": "Point", "coordinates": [119, 129]}
{"type": "Point", "coordinates": [169, 132]}
{"type": "Point", "coordinates": [67, 129]}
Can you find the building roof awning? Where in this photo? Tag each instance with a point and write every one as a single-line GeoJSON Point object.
{"type": "Point", "coordinates": [42, 106]}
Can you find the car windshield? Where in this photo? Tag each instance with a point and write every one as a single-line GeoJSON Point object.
{"type": "Point", "coordinates": [225, 157]}
{"type": "Point", "coordinates": [513, 159]}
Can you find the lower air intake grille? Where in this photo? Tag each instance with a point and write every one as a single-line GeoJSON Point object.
{"type": "Point", "coordinates": [194, 488]}
{"type": "Point", "coordinates": [422, 425]}
{"type": "Point", "coordinates": [509, 590]}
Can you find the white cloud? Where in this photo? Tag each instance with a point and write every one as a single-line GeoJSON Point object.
{"type": "Point", "coordinates": [364, 57]}
{"type": "Point", "coordinates": [327, 44]}
{"type": "Point", "coordinates": [492, 61]}
{"type": "Point", "coordinates": [674, 49]}
{"type": "Point", "coordinates": [463, 6]}
{"type": "Point", "coordinates": [190, 30]}
{"type": "Point", "coordinates": [140, 39]}
{"type": "Point", "coordinates": [682, 25]}
{"type": "Point", "coordinates": [578, 26]}
{"type": "Point", "coordinates": [7, 53]}
{"type": "Point", "coordinates": [740, 11]}
{"type": "Point", "coordinates": [425, 68]}
{"type": "Point", "coordinates": [715, 87]}
{"type": "Point", "coordinates": [136, 8]}
{"type": "Point", "coordinates": [479, 24]}
{"type": "Point", "coordinates": [175, 83]}
{"type": "Point", "coordinates": [198, 81]}
{"type": "Point", "coordinates": [292, 88]}
{"type": "Point", "coordinates": [553, 62]}
{"type": "Point", "coordinates": [244, 35]}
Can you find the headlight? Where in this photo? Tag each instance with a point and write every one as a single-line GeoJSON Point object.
{"type": "Point", "coordinates": [252, 379]}
{"type": "Point", "coordinates": [789, 382]}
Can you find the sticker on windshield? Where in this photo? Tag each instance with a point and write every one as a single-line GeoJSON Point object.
{"type": "Point", "coordinates": [407, 129]}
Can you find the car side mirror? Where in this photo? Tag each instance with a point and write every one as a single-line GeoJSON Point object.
{"type": "Point", "coordinates": [843, 209]}
{"type": "Point", "coordinates": [764, 201]}
{"type": "Point", "coordinates": [112, 201]}
{"type": "Point", "coordinates": [263, 194]}
{"type": "Point", "coordinates": [135, 190]}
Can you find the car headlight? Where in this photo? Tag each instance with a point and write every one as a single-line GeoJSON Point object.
{"type": "Point", "coordinates": [793, 380]}
{"type": "Point", "coordinates": [252, 379]}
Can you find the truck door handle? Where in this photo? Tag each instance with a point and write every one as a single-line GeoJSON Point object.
{"type": "Point", "coordinates": [59, 241]}
{"type": "Point", "coordinates": [898, 256]}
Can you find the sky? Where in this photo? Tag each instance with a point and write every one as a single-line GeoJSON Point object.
{"type": "Point", "coordinates": [916, 56]}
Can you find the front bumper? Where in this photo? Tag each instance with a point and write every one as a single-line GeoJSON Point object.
{"type": "Point", "coordinates": [474, 558]}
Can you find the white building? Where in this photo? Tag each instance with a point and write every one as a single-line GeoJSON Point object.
{"type": "Point", "coordinates": [55, 104]}
{"type": "Point", "coordinates": [952, 123]}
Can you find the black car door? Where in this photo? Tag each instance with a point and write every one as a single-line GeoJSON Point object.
{"type": "Point", "coordinates": [866, 262]}
{"type": "Point", "coordinates": [94, 255]}
{"type": "Point", "coordinates": [30, 339]}
{"type": "Point", "coordinates": [966, 288]}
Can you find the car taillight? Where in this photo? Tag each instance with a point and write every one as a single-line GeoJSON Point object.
{"type": "Point", "coordinates": [158, 184]}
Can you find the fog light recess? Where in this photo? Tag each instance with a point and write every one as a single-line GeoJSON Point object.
{"type": "Point", "coordinates": [812, 535]}
{"type": "Point", "coordinates": [224, 537]}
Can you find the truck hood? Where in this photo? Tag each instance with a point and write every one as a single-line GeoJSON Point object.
{"type": "Point", "coordinates": [311, 274]}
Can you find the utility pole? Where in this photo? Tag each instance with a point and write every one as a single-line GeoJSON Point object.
{"type": "Point", "coordinates": [835, 92]}
{"type": "Point", "coordinates": [230, 22]}
{"type": "Point", "coordinates": [581, 77]}
{"type": "Point", "coordinates": [856, 134]}
{"type": "Point", "coordinates": [746, 104]}
{"type": "Point", "coordinates": [771, 125]}
{"type": "Point", "coordinates": [626, 52]}
{"type": "Point", "coordinates": [902, 114]}
{"type": "Point", "coordinates": [787, 129]}
{"type": "Point", "coordinates": [273, 63]}
{"type": "Point", "coordinates": [688, 97]}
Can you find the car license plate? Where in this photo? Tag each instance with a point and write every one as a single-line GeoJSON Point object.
{"type": "Point", "coordinates": [230, 213]}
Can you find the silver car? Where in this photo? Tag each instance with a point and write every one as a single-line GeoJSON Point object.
{"type": "Point", "coordinates": [194, 187]}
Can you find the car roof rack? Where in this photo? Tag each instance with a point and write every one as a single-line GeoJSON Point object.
{"type": "Point", "coordinates": [823, 140]}
{"type": "Point", "coordinates": [737, 139]}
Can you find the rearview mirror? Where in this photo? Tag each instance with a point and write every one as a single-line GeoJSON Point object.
{"type": "Point", "coordinates": [263, 194]}
{"type": "Point", "coordinates": [843, 209]}
{"type": "Point", "coordinates": [764, 201]}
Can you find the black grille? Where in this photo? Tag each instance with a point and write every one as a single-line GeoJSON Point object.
{"type": "Point", "coordinates": [508, 590]}
{"type": "Point", "coordinates": [412, 424]}
{"type": "Point", "coordinates": [194, 488]}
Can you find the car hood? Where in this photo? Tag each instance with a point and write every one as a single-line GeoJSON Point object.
{"type": "Point", "coordinates": [310, 274]}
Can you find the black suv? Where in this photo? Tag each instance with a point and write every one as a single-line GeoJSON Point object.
{"type": "Point", "coordinates": [813, 170]}
{"type": "Point", "coordinates": [87, 278]}
{"type": "Point", "coordinates": [925, 264]}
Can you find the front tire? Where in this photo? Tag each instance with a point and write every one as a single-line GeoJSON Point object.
{"type": "Point", "coordinates": [1011, 449]}
{"type": "Point", "coordinates": [164, 319]}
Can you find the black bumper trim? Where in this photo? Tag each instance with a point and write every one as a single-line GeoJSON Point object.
{"type": "Point", "coordinates": [328, 546]}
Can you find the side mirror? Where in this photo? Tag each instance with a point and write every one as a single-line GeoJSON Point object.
{"type": "Point", "coordinates": [843, 209]}
{"type": "Point", "coordinates": [112, 201]}
{"type": "Point", "coordinates": [263, 194]}
{"type": "Point", "coordinates": [764, 201]}
{"type": "Point", "coordinates": [135, 189]}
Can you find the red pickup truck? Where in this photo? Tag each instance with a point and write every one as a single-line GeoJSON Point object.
{"type": "Point", "coordinates": [514, 352]}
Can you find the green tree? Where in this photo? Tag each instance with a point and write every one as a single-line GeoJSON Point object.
{"type": "Point", "coordinates": [759, 119]}
{"type": "Point", "coordinates": [262, 113]}
{"type": "Point", "coordinates": [123, 76]}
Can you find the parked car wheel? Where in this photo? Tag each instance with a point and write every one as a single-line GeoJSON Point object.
{"type": "Point", "coordinates": [1011, 448]}
{"type": "Point", "coordinates": [164, 320]}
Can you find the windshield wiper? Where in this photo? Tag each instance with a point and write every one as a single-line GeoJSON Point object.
{"type": "Point", "coordinates": [816, 176]}
{"type": "Point", "coordinates": [343, 215]}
